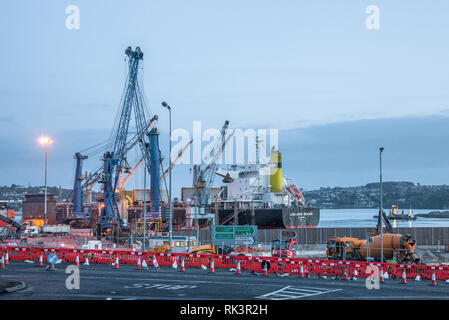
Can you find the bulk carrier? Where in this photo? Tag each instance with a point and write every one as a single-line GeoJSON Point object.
{"type": "Point", "coordinates": [258, 194]}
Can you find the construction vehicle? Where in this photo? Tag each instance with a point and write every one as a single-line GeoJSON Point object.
{"type": "Point", "coordinates": [395, 246]}
{"type": "Point", "coordinates": [286, 247]}
{"type": "Point", "coordinates": [161, 248]}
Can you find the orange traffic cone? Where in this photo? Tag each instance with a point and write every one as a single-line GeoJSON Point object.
{"type": "Point", "coordinates": [41, 260]}
{"type": "Point", "coordinates": [77, 261]}
{"type": "Point", "coordinates": [404, 277]}
{"type": "Point", "coordinates": [212, 267]}
{"type": "Point", "coordinates": [155, 264]}
{"type": "Point", "coordinates": [139, 265]}
{"type": "Point", "coordinates": [346, 276]}
{"type": "Point", "coordinates": [381, 275]}
{"type": "Point", "coordinates": [434, 280]}
{"type": "Point", "coordinates": [183, 268]}
{"type": "Point", "coordinates": [116, 265]}
{"type": "Point", "coordinates": [265, 271]}
{"type": "Point", "coordinates": [301, 272]}
{"type": "Point", "coordinates": [238, 268]}
{"type": "Point", "coordinates": [6, 258]}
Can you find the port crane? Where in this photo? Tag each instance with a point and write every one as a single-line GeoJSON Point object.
{"type": "Point", "coordinates": [114, 158]}
{"type": "Point", "coordinates": [204, 174]}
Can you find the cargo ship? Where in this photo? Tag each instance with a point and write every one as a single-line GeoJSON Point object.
{"type": "Point", "coordinates": [258, 194]}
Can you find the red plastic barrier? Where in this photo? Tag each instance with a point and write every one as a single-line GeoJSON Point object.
{"type": "Point", "coordinates": [320, 267]}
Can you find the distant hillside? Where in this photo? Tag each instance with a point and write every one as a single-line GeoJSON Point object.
{"type": "Point", "coordinates": [404, 194]}
{"type": "Point", "coordinates": [14, 194]}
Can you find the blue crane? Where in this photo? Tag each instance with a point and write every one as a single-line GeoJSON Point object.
{"type": "Point", "coordinates": [114, 157]}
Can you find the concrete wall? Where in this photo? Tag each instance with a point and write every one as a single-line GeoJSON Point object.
{"type": "Point", "coordinates": [423, 236]}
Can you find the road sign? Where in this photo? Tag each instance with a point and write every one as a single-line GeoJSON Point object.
{"type": "Point", "coordinates": [52, 258]}
{"type": "Point", "coordinates": [244, 240]}
{"type": "Point", "coordinates": [234, 235]}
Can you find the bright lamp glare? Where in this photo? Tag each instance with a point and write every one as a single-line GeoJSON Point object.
{"type": "Point", "coordinates": [45, 140]}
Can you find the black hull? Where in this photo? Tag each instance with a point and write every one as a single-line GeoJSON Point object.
{"type": "Point", "coordinates": [279, 218]}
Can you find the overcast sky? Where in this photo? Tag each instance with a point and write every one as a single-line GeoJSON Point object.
{"type": "Point", "coordinates": [335, 89]}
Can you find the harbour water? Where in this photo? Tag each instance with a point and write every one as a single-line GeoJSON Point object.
{"type": "Point", "coordinates": [363, 218]}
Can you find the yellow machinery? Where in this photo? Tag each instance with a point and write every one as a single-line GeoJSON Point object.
{"type": "Point", "coordinates": [161, 248]}
{"type": "Point", "coordinates": [206, 249]}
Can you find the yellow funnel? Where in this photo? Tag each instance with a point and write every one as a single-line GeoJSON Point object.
{"type": "Point", "coordinates": [276, 172]}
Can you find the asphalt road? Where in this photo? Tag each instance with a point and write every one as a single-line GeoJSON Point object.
{"type": "Point", "coordinates": [101, 281]}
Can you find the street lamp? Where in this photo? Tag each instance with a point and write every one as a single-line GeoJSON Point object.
{"type": "Point", "coordinates": [45, 141]}
{"type": "Point", "coordinates": [381, 149]}
{"type": "Point", "coordinates": [147, 145]}
{"type": "Point", "coordinates": [170, 215]}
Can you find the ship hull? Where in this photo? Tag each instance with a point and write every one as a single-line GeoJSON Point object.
{"type": "Point", "coordinates": [276, 218]}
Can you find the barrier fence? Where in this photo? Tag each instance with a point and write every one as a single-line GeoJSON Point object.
{"type": "Point", "coordinates": [319, 267]}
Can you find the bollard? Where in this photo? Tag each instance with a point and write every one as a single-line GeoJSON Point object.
{"type": "Point", "coordinates": [238, 268]}
{"type": "Point", "coordinates": [77, 261]}
{"type": "Point", "coordinates": [183, 268]}
{"type": "Point", "coordinates": [404, 277]}
{"type": "Point", "coordinates": [139, 265]}
{"type": "Point", "coordinates": [212, 267]}
{"type": "Point", "coordinates": [434, 280]}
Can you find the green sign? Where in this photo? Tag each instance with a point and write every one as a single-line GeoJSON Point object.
{"type": "Point", "coordinates": [222, 236]}
{"type": "Point", "coordinates": [224, 229]}
{"type": "Point", "coordinates": [234, 235]}
{"type": "Point", "coordinates": [244, 230]}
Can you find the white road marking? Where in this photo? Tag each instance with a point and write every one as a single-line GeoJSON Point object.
{"type": "Point", "coordinates": [289, 293]}
{"type": "Point", "coordinates": [159, 286]}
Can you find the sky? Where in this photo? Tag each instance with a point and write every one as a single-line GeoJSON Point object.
{"type": "Point", "coordinates": [334, 89]}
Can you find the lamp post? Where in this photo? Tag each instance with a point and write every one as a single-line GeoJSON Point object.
{"type": "Point", "coordinates": [381, 149]}
{"type": "Point", "coordinates": [170, 215]}
{"type": "Point", "coordinates": [45, 141]}
{"type": "Point", "coordinates": [145, 199]}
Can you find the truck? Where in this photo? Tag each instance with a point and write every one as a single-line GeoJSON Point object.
{"type": "Point", "coordinates": [398, 247]}
{"type": "Point", "coordinates": [61, 229]}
